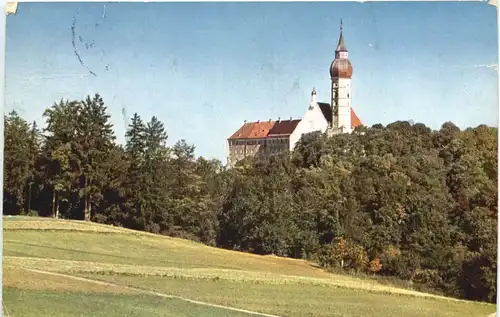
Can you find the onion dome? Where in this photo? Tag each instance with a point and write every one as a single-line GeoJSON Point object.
{"type": "Point", "coordinates": [341, 66]}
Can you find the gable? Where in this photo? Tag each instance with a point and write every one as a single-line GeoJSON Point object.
{"type": "Point", "coordinates": [327, 112]}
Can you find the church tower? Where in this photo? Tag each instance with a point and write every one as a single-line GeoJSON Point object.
{"type": "Point", "coordinates": [340, 74]}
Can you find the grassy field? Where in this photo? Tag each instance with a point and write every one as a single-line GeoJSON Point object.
{"type": "Point", "coordinates": [70, 268]}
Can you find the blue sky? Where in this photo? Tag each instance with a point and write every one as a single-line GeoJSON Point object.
{"type": "Point", "coordinates": [204, 68]}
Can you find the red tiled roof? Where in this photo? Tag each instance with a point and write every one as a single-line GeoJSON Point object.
{"type": "Point", "coordinates": [285, 127]}
{"type": "Point", "coordinates": [261, 130]}
{"type": "Point", "coordinates": [355, 122]}
{"type": "Point", "coordinates": [243, 132]}
{"type": "Point", "coordinates": [265, 129]}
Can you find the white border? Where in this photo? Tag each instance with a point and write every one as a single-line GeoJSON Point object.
{"type": "Point", "coordinates": [2, 97]}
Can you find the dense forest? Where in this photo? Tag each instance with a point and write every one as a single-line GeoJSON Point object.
{"type": "Point", "coordinates": [401, 201]}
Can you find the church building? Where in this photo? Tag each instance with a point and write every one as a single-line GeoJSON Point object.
{"type": "Point", "coordinates": [272, 137]}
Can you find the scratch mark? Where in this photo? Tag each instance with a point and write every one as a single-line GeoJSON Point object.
{"type": "Point", "coordinates": [90, 45]}
{"type": "Point", "coordinates": [295, 86]}
{"type": "Point", "coordinates": [53, 77]}
{"type": "Point", "coordinates": [489, 66]}
{"type": "Point", "coordinates": [125, 121]}
{"type": "Point", "coordinates": [103, 54]}
{"type": "Point", "coordinates": [98, 24]}
{"type": "Point", "coordinates": [74, 47]}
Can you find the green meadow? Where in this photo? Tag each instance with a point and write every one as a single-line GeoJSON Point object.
{"type": "Point", "coordinates": [72, 268]}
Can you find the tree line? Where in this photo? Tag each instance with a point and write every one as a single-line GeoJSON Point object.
{"type": "Point", "coordinates": [400, 200]}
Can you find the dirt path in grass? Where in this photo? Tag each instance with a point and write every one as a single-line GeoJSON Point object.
{"type": "Point", "coordinates": [153, 293]}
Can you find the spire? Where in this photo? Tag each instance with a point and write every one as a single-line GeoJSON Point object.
{"type": "Point", "coordinates": [341, 47]}
{"type": "Point", "coordinates": [341, 67]}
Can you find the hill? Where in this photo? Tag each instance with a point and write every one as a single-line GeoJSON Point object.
{"type": "Point", "coordinates": [400, 201]}
{"type": "Point", "coordinates": [73, 268]}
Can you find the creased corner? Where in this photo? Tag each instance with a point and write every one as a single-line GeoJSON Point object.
{"type": "Point", "coordinates": [10, 8]}
{"type": "Point", "coordinates": [493, 3]}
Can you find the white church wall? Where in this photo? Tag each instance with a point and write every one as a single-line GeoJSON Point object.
{"type": "Point", "coordinates": [312, 121]}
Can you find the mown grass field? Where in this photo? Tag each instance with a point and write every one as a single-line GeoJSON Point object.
{"type": "Point", "coordinates": [169, 266]}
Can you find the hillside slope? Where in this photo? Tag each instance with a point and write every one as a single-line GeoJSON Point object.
{"type": "Point", "coordinates": [131, 261]}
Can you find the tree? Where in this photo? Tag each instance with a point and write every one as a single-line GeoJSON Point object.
{"type": "Point", "coordinates": [153, 202]}
{"type": "Point", "coordinates": [93, 140]}
{"type": "Point", "coordinates": [19, 156]}
{"type": "Point", "coordinates": [134, 180]}
{"type": "Point", "coordinates": [57, 164]}
{"type": "Point", "coordinates": [190, 204]}
{"type": "Point", "coordinates": [113, 208]}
